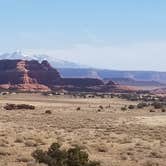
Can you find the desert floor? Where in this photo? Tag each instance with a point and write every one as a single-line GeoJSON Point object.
{"type": "Point", "coordinates": [114, 137]}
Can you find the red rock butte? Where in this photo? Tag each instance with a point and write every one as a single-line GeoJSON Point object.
{"type": "Point", "coordinates": [27, 75]}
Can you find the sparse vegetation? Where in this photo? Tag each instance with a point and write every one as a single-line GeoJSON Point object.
{"type": "Point", "coordinates": [158, 105]}
{"type": "Point", "coordinates": [101, 107]}
{"type": "Point", "coordinates": [78, 108]}
{"type": "Point", "coordinates": [99, 110]}
{"type": "Point", "coordinates": [136, 132]}
{"type": "Point", "coordinates": [141, 105]}
{"type": "Point", "coordinates": [48, 112]}
{"type": "Point", "coordinates": [152, 110]}
{"type": "Point", "coordinates": [57, 157]}
{"type": "Point", "coordinates": [124, 108]}
{"type": "Point", "coordinates": [131, 106]}
{"type": "Point", "coordinates": [18, 106]}
{"type": "Point", "coordinates": [163, 110]}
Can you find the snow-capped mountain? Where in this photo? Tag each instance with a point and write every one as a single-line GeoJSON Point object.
{"type": "Point", "coordinates": [55, 62]}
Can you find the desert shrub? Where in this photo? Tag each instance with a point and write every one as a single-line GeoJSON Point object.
{"type": "Point", "coordinates": [163, 110]}
{"type": "Point", "coordinates": [101, 107]}
{"type": "Point", "coordinates": [131, 107]}
{"type": "Point", "coordinates": [25, 106]}
{"type": "Point", "coordinates": [48, 112]}
{"type": "Point", "coordinates": [124, 108]}
{"type": "Point", "coordinates": [141, 105]}
{"type": "Point", "coordinates": [4, 93]}
{"type": "Point", "coordinates": [57, 157]}
{"type": "Point", "coordinates": [9, 106]}
{"type": "Point", "coordinates": [99, 110]}
{"type": "Point", "coordinates": [130, 97]}
{"type": "Point", "coordinates": [18, 106]}
{"type": "Point", "coordinates": [157, 105]}
{"type": "Point", "coordinates": [152, 110]}
{"type": "Point", "coordinates": [78, 108]}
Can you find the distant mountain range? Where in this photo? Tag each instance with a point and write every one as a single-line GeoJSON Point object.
{"type": "Point", "coordinates": [72, 70]}
{"type": "Point", "coordinates": [57, 63]}
{"type": "Point", "coordinates": [152, 76]}
{"type": "Point", "coordinates": [132, 82]}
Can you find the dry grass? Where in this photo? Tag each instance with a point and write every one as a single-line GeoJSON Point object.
{"type": "Point", "coordinates": [115, 137]}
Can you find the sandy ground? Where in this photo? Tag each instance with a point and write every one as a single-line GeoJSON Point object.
{"type": "Point", "coordinates": [112, 136]}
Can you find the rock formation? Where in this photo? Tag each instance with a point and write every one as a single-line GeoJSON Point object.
{"type": "Point", "coordinates": [31, 75]}
{"type": "Point", "coordinates": [27, 75]}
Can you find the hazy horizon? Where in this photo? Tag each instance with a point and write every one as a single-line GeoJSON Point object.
{"type": "Point", "coordinates": [121, 35]}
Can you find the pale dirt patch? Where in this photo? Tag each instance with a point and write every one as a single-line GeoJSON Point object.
{"type": "Point", "coordinates": [153, 120]}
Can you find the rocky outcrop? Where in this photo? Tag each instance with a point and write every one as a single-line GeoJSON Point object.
{"type": "Point", "coordinates": [34, 76]}
{"type": "Point", "coordinates": [27, 75]}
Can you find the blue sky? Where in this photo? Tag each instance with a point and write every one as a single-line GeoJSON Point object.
{"type": "Point", "coordinates": [121, 34]}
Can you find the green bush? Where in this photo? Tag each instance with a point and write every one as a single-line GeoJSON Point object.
{"type": "Point", "coordinates": [57, 157]}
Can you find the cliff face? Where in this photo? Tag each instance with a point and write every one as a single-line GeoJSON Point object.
{"type": "Point", "coordinates": [28, 75]}
{"type": "Point", "coordinates": [34, 76]}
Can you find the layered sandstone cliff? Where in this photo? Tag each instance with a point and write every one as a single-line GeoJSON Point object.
{"type": "Point", "coordinates": [34, 76]}
{"type": "Point", "coordinates": [27, 75]}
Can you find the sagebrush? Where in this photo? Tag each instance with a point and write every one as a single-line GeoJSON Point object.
{"type": "Point", "coordinates": [56, 157]}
